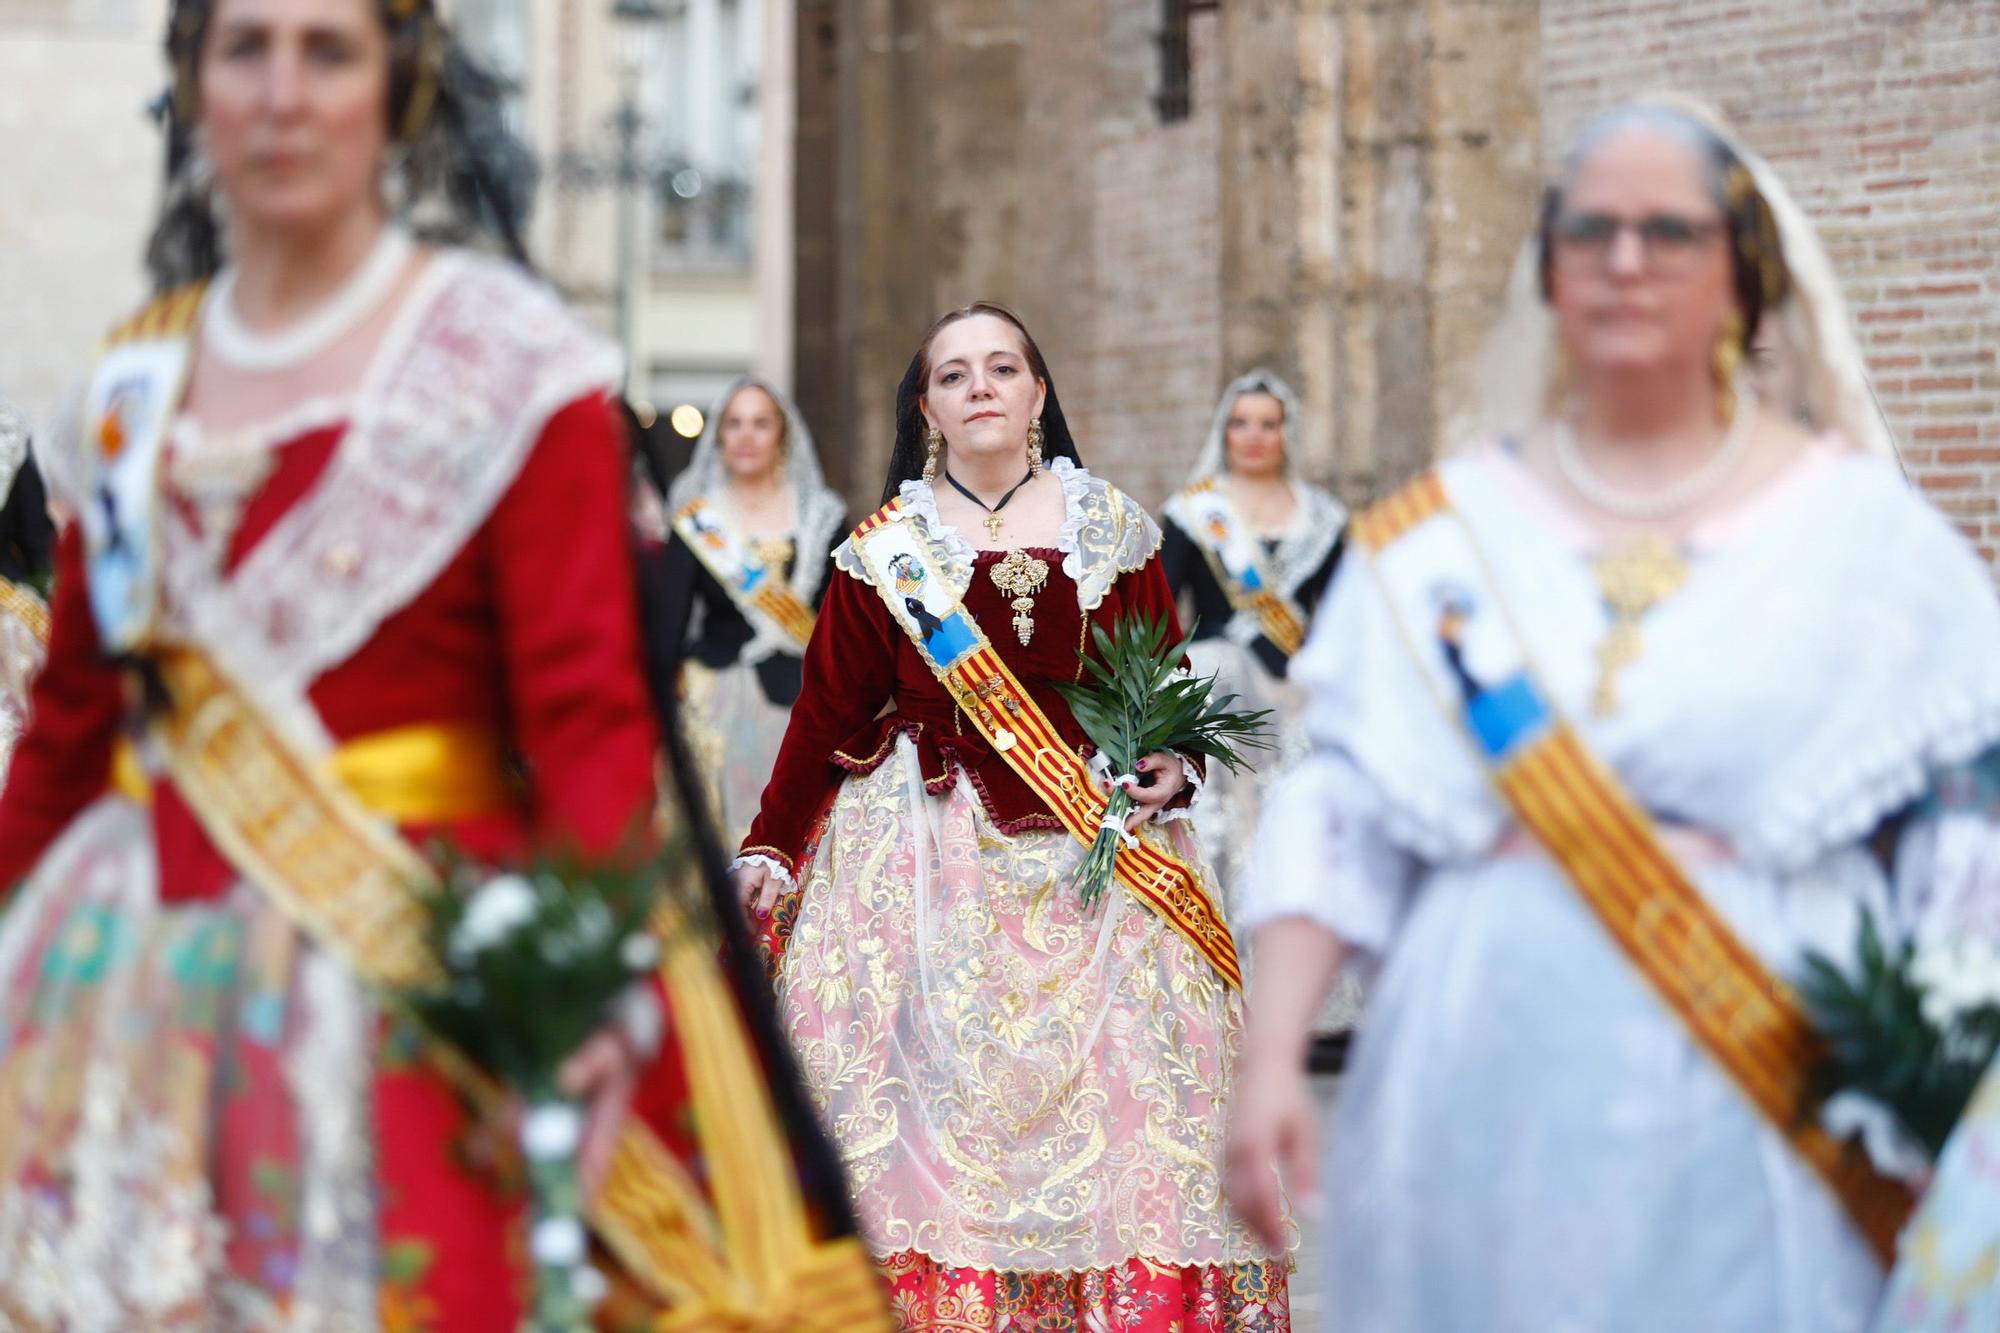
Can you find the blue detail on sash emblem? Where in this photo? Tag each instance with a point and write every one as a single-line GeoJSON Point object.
{"type": "Point", "coordinates": [1253, 580]}
{"type": "Point", "coordinates": [753, 576]}
{"type": "Point", "coordinates": [949, 639]}
{"type": "Point", "coordinates": [1503, 716]}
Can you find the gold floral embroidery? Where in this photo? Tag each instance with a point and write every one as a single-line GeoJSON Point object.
{"type": "Point", "coordinates": [1012, 1083]}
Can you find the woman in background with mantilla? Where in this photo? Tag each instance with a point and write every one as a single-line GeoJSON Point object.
{"type": "Point", "coordinates": [1249, 548]}
{"type": "Point", "coordinates": [753, 527]}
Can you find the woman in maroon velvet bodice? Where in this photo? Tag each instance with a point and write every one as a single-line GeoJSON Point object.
{"type": "Point", "coordinates": [1029, 1093]}
{"type": "Point", "coordinates": [839, 729]}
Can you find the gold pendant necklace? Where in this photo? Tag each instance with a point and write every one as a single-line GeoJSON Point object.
{"type": "Point", "coordinates": [1021, 576]}
{"type": "Point", "coordinates": [1633, 579]}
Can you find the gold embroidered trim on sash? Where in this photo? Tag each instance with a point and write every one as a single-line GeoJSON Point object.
{"type": "Point", "coordinates": [1746, 1017]}
{"type": "Point", "coordinates": [1002, 710]}
{"type": "Point", "coordinates": [21, 602]}
{"type": "Point", "coordinates": [342, 875]}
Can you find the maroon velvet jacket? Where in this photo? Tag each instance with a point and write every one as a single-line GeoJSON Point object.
{"type": "Point", "coordinates": [860, 661]}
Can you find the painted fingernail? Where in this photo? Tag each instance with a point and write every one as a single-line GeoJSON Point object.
{"type": "Point", "coordinates": [1141, 766]}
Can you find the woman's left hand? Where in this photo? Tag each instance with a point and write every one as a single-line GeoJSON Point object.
{"type": "Point", "coordinates": [1169, 777]}
{"type": "Point", "coordinates": [602, 1074]}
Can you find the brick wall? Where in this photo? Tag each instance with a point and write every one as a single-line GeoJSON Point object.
{"type": "Point", "coordinates": [1884, 119]}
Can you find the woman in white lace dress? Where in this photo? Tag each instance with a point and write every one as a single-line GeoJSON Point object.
{"type": "Point", "coordinates": [1614, 717]}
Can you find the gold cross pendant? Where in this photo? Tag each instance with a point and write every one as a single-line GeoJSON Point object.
{"type": "Point", "coordinates": [1633, 580]}
{"type": "Point", "coordinates": [993, 522]}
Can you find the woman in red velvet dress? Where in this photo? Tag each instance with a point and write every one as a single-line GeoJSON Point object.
{"type": "Point", "coordinates": [1030, 1096]}
{"type": "Point", "coordinates": [390, 514]}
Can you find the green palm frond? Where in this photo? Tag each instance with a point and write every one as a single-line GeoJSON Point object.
{"type": "Point", "coordinates": [1880, 1044]}
{"type": "Point", "coordinates": [1136, 698]}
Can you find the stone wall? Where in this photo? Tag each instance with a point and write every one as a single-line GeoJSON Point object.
{"type": "Point", "coordinates": [1337, 206]}
{"type": "Point", "coordinates": [1884, 118]}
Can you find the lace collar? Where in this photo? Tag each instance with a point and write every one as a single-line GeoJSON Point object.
{"type": "Point", "coordinates": [1104, 534]}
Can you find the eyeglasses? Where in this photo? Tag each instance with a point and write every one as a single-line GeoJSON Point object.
{"type": "Point", "coordinates": [1668, 241]}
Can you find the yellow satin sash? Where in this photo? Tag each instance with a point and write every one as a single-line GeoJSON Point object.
{"type": "Point", "coordinates": [423, 773]}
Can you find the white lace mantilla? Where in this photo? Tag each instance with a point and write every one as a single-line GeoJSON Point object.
{"type": "Point", "coordinates": [1104, 534]}
{"type": "Point", "coordinates": [476, 363]}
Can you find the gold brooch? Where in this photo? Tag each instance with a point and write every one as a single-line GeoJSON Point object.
{"type": "Point", "coordinates": [1632, 580]}
{"type": "Point", "coordinates": [1021, 576]}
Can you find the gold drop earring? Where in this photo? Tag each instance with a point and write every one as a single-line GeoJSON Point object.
{"type": "Point", "coordinates": [1727, 361]}
{"type": "Point", "coordinates": [934, 452]}
{"type": "Point", "coordinates": [1035, 447]}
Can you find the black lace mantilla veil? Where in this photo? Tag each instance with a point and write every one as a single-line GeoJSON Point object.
{"type": "Point", "coordinates": [456, 172]}
{"type": "Point", "coordinates": [906, 460]}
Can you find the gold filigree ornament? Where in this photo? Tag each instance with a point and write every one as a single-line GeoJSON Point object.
{"type": "Point", "coordinates": [1632, 579]}
{"type": "Point", "coordinates": [1021, 576]}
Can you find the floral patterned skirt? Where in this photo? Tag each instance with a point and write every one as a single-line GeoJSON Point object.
{"type": "Point", "coordinates": [205, 1125]}
{"type": "Point", "coordinates": [1031, 1099]}
{"type": "Point", "coordinates": [1134, 1297]}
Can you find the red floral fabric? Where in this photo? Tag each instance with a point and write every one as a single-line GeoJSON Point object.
{"type": "Point", "coordinates": [1135, 1297]}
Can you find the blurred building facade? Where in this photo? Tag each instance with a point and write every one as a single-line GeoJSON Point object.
{"type": "Point", "coordinates": [1172, 191]}
{"type": "Point", "coordinates": [700, 78]}
{"type": "Point", "coordinates": [79, 174]}
{"type": "Point", "coordinates": [649, 118]}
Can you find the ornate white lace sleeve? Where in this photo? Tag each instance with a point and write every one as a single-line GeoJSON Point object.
{"type": "Point", "coordinates": [1196, 786]}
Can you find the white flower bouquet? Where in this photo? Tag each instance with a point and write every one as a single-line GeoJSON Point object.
{"type": "Point", "coordinates": [1908, 1034]}
{"type": "Point", "coordinates": [534, 962]}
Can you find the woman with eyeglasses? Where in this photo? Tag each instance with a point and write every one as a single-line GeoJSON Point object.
{"type": "Point", "coordinates": [1657, 685]}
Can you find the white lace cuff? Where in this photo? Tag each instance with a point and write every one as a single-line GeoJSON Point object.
{"type": "Point", "coordinates": [1196, 785]}
{"type": "Point", "coordinates": [775, 866]}
{"type": "Point", "coordinates": [641, 1019]}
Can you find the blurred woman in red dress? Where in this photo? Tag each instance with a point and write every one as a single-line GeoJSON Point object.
{"type": "Point", "coordinates": [361, 497]}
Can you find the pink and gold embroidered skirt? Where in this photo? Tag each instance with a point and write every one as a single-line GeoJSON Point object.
{"type": "Point", "coordinates": [1031, 1099]}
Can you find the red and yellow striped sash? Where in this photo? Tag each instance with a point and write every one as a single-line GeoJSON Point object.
{"type": "Point", "coordinates": [345, 878]}
{"type": "Point", "coordinates": [1744, 1015]}
{"type": "Point", "coordinates": [772, 597]}
{"type": "Point", "coordinates": [1003, 711]}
